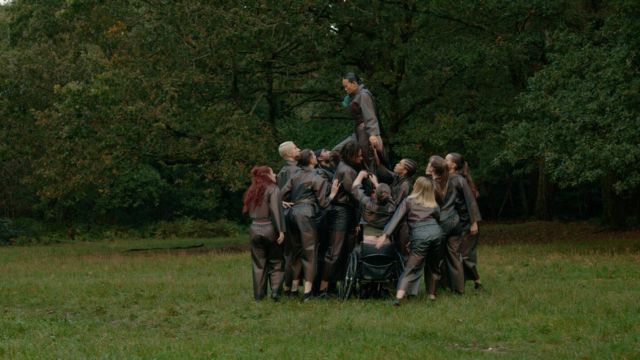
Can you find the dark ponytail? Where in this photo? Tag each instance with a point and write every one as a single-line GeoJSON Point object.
{"type": "Point", "coordinates": [462, 167]}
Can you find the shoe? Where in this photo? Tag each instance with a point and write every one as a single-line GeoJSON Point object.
{"type": "Point", "coordinates": [307, 297]}
{"type": "Point", "coordinates": [395, 302]}
{"type": "Point", "coordinates": [431, 297]}
{"type": "Point", "coordinates": [292, 294]}
{"type": "Point", "coordinates": [275, 296]}
{"type": "Point", "coordinates": [478, 286]}
{"type": "Point", "coordinates": [324, 295]}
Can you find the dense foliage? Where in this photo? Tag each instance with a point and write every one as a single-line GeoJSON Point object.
{"type": "Point", "coordinates": [134, 111]}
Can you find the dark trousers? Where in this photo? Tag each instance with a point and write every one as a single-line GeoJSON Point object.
{"type": "Point", "coordinates": [455, 271]}
{"type": "Point", "coordinates": [413, 268]}
{"type": "Point", "coordinates": [304, 241]}
{"type": "Point", "coordinates": [402, 238]}
{"type": "Point", "coordinates": [323, 245]}
{"type": "Point", "coordinates": [425, 241]}
{"type": "Point", "coordinates": [470, 257]}
{"type": "Point", "coordinates": [289, 250]}
{"type": "Point", "coordinates": [267, 260]}
{"type": "Point", "coordinates": [341, 241]}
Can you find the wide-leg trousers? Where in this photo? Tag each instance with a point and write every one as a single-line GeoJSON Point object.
{"type": "Point", "coordinates": [267, 260]}
{"type": "Point", "coordinates": [341, 220]}
{"type": "Point", "coordinates": [425, 240]}
{"type": "Point", "coordinates": [303, 241]}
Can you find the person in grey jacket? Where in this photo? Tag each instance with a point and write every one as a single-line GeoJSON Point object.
{"type": "Point", "coordinates": [262, 202]}
{"type": "Point", "coordinates": [422, 214]}
{"type": "Point", "coordinates": [366, 127]}
{"type": "Point", "coordinates": [309, 193]}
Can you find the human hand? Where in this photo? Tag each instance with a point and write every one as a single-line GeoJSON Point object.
{"type": "Point", "coordinates": [374, 180]}
{"type": "Point", "coordinates": [335, 186]}
{"type": "Point", "coordinates": [474, 228]}
{"type": "Point", "coordinates": [280, 239]}
{"type": "Point", "coordinates": [286, 204]}
{"type": "Point", "coordinates": [375, 142]}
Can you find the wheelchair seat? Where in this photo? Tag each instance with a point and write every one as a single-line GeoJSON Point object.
{"type": "Point", "coordinates": [371, 271]}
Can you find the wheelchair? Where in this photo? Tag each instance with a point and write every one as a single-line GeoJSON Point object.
{"type": "Point", "coordinates": [371, 272]}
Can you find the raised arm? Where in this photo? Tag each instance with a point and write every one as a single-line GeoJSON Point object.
{"type": "Point", "coordinates": [358, 191]}
{"type": "Point", "coordinates": [385, 175]}
{"type": "Point", "coordinates": [398, 215]}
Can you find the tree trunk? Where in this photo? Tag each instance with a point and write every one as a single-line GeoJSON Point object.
{"type": "Point", "coordinates": [524, 201]}
{"type": "Point", "coordinates": [543, 208]}
{"type": "Point", "coordinates": [613, 206]}
{"type": "Point", "coordinates": [271, 101]}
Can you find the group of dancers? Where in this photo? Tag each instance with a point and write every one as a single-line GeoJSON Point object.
{"type": "Point", "coordinates": [309, 217]}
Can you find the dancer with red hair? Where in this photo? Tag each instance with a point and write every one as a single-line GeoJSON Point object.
{"type": "Point", "coordinates": [262, 202]}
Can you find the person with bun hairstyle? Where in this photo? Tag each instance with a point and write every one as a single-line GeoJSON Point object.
{"type": "Point", "coordinates": [366, 127]}
{"type": "Point", "coordinates": [460, 215]}
{"type": "Point", "coordinates": [422, 213]}
{"type": "Point", "coordinates": [375, 211]}
{"type": "Point", "coordinates": [262, 202]}
{"type": "Point", "coordinates": [309, 193]}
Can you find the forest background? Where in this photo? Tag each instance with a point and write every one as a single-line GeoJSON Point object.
{"type": "Point", "coordinates": [130, 113]}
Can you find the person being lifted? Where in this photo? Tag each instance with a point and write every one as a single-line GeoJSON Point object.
{"type": "Point", "coordinates": [366, 127]}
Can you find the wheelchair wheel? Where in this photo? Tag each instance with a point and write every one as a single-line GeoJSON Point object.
{"type": "Point", "coordinates": [350, 277]}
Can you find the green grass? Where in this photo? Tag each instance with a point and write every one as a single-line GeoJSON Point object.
{"type": "Point", "coordinates": [553, 291]}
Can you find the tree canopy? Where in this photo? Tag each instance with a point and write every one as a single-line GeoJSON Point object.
{"type": "Point", "coordinates": [132, 111]}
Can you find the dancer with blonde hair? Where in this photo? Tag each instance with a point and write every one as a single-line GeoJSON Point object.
{"type": "Point", "coordinates": [422, 213]}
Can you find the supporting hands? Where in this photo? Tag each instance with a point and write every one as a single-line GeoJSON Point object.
{"type": "Point", "coordinates": [374, 180]}
{"type": "Point", "coordinates": [280, 239]}
{"type": "Point", "coordinates": [374, 140]}
{"type": "Point", "coordinates": [335, 186]}
{"type": "Point", "coordinates": [286, 204]}
{"type": "Point", "coordinates": [376, 157]}
{"type": "Point", "coordinates": [358, 180]}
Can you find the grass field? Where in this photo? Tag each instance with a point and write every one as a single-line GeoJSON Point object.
{"type": "Point", "coordinates": [552, 291]}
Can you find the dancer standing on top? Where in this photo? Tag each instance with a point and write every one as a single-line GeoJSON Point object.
{"type": "Point", "coordinates": [365, 119]}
